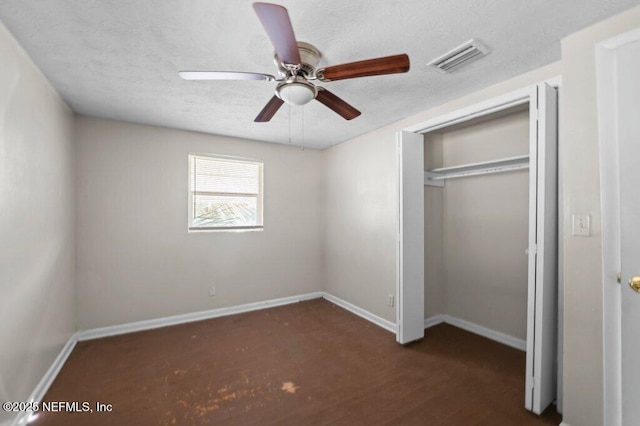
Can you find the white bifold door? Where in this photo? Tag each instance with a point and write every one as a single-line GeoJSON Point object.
{"type": "Point", "coordinates": [542, 299]}
{"type": "Point", "coordinates": [542, 311]}
{"type": "Point", "coordinates": [410, 306]}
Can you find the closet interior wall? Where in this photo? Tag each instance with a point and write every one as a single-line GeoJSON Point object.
{"type": "Point", "coordinates": [476, 228]}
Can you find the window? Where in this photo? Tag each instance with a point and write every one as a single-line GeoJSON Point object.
{"type": "Point", "coordinates": [224, 193]}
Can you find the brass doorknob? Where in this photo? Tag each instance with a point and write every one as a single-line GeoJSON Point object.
{"type": "Point", "coordinates": [634, 283]}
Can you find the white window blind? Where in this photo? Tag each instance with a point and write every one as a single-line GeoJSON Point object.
{"type": "Point", "coordinates": [224, 193]}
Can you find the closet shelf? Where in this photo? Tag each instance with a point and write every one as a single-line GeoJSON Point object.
{"type": "Point", "coordinates": [436, 177]}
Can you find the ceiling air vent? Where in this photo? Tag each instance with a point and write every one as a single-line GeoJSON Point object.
{"type": "Point", "coordinates": [461, 55]}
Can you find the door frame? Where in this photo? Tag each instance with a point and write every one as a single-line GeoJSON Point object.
{"type": "Point", "coordinates": [490, 106]}
{"type": "Point", "coordinates": [610, 207]}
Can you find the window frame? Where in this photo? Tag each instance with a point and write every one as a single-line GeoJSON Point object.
{"type": "Point", "coordinates": [259, 198]}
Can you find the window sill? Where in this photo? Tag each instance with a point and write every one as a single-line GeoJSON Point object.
{"type": "Point", "coordinates": [229, 229]}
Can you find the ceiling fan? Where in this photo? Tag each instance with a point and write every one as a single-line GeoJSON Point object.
{"type": "Point", "coordinates": [297, 68]}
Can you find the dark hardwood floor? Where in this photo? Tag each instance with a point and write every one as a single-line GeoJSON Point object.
{"type": "Point", "coordinates": [309, 363]}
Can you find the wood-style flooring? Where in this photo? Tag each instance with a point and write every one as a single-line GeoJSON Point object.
{"type": "Point", "coordinates": [309, 363]}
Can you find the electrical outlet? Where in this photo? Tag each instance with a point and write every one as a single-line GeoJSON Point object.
{"type": "Point", "coordinates": [390, 300]}
{"type": "Point", "coordinates": [212, 290]}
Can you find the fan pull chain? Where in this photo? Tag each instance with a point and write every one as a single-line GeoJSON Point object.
{"type": "Point", "coordinates": [302, 144]}
{"type": "Point", "coordinates": [289, 111]}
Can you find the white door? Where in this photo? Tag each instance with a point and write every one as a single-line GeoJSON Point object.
{"type": "Point", "coordinates": [542, 310]}
{"type": "Point", "coordinates": [628, 93]}
{"type": "Point", "coordinates": [618, 62]}
{"type": "Point", "coordinates": [410, 297]}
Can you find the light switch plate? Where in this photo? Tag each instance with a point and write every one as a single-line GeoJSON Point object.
{"type": "Point", "coordinates": [580, 225]}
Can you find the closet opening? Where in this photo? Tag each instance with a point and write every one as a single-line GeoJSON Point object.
{"type": "Point", "coordinates": [478, 229]}
{"type": "Point", "coordinates": [476, 225]}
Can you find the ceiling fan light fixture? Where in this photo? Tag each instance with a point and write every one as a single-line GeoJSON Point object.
{"type": "Point", "coordinates": [296, 91]}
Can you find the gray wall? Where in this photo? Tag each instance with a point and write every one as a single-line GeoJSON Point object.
{"type": "Point", "coordinates": [37, 242]}
{"type": "Point", "coordinates": [137, 261]}
{"type": "Point", "coordinates": [360, 236]}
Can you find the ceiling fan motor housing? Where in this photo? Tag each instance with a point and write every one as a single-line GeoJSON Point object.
{"type": "Point", "coordinates": [296, 89]}
{"type": "Point", "coordinates": [309, 56]}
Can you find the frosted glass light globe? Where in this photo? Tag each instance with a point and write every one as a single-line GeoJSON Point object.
{"type": "Point", "coordinates": [297, 91]}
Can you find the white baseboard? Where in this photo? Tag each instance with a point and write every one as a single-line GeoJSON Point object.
{"type": "Point", "coordinates": [505, 339]}
{"type": "Point", "coordinates": [564, 424]}
{"type": "Point", "coordinates": [131, 327]}
{"type": "Point", "coordinates": [386, 324]}
{"type": "Point", "coordinates": [434, 320]}
{"type": "Point", "coordinates": [41, 388]}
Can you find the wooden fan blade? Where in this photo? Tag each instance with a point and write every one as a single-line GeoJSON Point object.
{"type": "Point", "coordinates": [275, 20]}
{"type": "Point", "coordinates": [224, 75]}
{"type": "Point", "coordinates": [336, 104]}
{"type": "Point", "coordinates": [379, 66]}
{"type": "Point", "coordinates": [269, 110]}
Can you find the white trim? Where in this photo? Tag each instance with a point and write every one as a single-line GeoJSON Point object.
{"type": "Point", "coordinates": [499, 103]}
{"type": "Point", "coordinates": [564, 424]}
{"type": "Point", "coordinates": [53, 371]}
{"type": "Point", "coordinates": [621, 40]}
{"type": "Point", "coordinates": [497, 336]}
{"type": "Point", "coordinates": [554, 81]}
{"type": "Point", "coordinates": [490, 106]}
{"type": "Point", "coordinates": [48, 378]}
{"type": "Point", "coordinates": [434, 320]}
{"type": "Point", "coordinates": [115, 330]}
{"type": "Point", "coordinates": [131, 327]}
{"type": "Point", "coordinates": [381, 322]}
{"type": "Point", "coordinates": [398, 224]}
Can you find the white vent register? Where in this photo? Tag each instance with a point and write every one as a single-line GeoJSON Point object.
{"type": "Point", "coordinates": [459, 56]}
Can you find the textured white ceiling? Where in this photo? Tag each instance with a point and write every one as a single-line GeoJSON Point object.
{"type": "Point", "coordinates": [120, 59]}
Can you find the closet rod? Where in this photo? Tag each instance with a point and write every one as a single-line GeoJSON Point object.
{"type": "Point", "coordinates": [436, 177]}
{"type": "Point", "coordinates": [489, 170]}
